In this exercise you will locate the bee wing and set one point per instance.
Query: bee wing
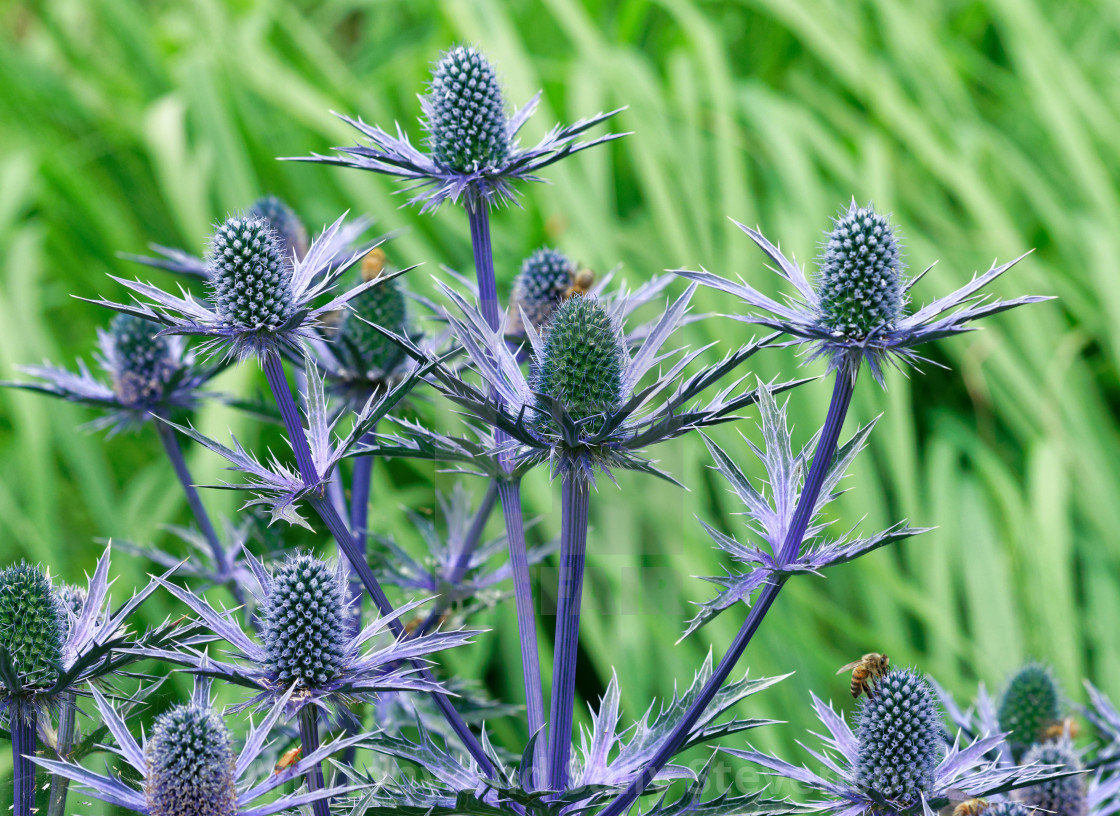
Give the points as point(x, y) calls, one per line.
point(849, 667)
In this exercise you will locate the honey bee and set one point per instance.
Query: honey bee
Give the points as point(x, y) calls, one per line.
point(288, 759)
point(1061, 728)
point(582, 281)
point(971, 807)
point(868, 668)
point(373, 264)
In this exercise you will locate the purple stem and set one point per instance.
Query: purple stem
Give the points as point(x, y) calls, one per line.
point(278, 382)
point(510, 491)
point(309, 739)
point(478, 213)
point(574, 498)
point(23, 722)
point(359, 521)
point(791, 547)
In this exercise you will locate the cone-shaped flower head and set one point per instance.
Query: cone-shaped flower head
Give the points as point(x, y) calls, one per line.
point(860, 284)
point(302, 622)
point(539, 288)
point(1062, 797)
point(284, 222)
point(190, 765)
point(581, 365)
point(465, 116)
point(250, 276)
point(899, 737)
point(31, 625)
point(383, 305)
point(140, 363)
point(1029, 705)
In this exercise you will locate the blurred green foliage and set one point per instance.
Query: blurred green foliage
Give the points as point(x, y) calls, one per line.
point(987, 127)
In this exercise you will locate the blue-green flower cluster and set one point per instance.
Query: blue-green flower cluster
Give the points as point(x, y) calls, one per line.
point(1007, 809)
point(140, 362)
point(190, 765)
point(383, 305)
point(31, 625)
point(250, 277)
point(1067, 796)
point(466, 119)
point(302, 622)
point(539, 288)
point(1029, 705)
point(899, 737)
point(581, 366)
point(284, 222)
point(860, 285)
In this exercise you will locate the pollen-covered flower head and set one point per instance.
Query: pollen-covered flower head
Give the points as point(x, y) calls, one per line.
point(581, 366)
point(366, 350)
point(190, 765)
point(465, 116)
point(250, 278)
point(539, 288)
point(860, 282)
point(303, 625)
point(1067, 796)
point(140, 362)
point(31, 625)
point(899, 737)
point(284, 222)
point(1029, 705)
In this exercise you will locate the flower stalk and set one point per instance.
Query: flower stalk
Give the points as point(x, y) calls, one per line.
point(478, 213)
point(309, 739)
point(60, 785)
point(360, 485)
point(24, 720)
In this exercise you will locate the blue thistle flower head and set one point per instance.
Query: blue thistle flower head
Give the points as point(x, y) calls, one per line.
point(1007, 809)
point(899, 737)
point(140, 362)
point(1067, 796)
point(250, 277)
point(581, 366)
point(468, 129)
point(31, 625)
point(284, 222)
point(860, 283)
point(190, 765)
point(539, 288)
point(368, 350)
point(303, 625)
point(1029, 705)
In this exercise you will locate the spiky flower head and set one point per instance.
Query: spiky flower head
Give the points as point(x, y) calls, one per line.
point(899, 737)
point(284, 222)
point(71, 599)
point(860, 283)
point(190, 765)
point(1007, 809)
point(383, 305)
point(1029, 705)
point(581, 365)
point(302, 621)
point(539, 288)
point(250, 276)
point(140, 363)
point(1067, 796)
point(468, 129)
point(31, 624)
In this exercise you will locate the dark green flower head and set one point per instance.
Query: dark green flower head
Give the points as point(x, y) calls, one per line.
point(581, 365)
point(539, 288)
point(284, 222)
point(1029, 705)
point(250, 276)
point(367, 349)
point(1061, 797)
point(31, 625)
point(190, 765)
point(899, 737)
point(302, 622)
point(465, 118)
point(140, 363)
point(860, 285)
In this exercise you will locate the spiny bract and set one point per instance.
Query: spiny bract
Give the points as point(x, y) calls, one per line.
point(251, 278)
point(140, 363)
point(860, 283)
point(581, 365)
point(384, 305)
point(190, 765)
point(1029, 705)
point(539, 287)
point(466, 120)
point(1061, 797)
point(31, 627)
point(899, 737)
point(284, 222)
point(302, 623)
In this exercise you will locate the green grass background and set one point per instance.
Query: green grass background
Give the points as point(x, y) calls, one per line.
point(987, 127)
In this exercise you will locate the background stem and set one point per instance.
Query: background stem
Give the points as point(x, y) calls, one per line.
point(60, 785)
point(360, 485)
point(309, 739)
